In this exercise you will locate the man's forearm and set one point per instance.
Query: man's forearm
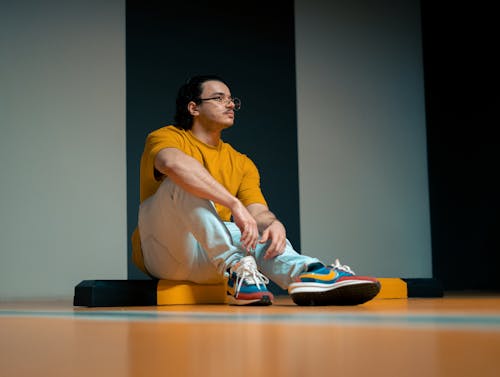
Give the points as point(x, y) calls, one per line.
point(262, 215)
point(189, 174)
point(192, 176)
point(265, 219)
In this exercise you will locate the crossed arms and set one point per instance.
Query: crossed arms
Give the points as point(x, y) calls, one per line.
point(252, 220)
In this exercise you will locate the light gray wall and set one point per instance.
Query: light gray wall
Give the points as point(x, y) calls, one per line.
point(361, 135)
point(62, 145)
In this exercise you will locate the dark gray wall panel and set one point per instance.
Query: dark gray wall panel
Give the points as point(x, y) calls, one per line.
point(252, 47)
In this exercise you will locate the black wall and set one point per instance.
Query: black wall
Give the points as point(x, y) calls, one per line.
point(462, 99)
point(251, 45)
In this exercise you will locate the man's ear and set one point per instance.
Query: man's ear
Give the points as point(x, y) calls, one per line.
point(193, 108)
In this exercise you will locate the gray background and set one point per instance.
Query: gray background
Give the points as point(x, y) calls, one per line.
point(62, 145)
point(360, 127)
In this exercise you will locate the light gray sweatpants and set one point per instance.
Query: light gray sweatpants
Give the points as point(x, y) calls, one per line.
point(183, 238)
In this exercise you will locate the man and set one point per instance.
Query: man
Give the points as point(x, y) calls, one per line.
point(193, 184)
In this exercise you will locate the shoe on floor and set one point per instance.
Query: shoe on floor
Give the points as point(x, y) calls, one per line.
point(332, 285)
point(246, 285)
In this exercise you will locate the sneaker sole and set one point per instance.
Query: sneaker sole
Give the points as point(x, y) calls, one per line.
point(354, 293)
point(262, 301)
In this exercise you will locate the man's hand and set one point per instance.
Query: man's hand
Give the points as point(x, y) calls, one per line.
point(273, 231)
point(276, 234)
point(247, 225)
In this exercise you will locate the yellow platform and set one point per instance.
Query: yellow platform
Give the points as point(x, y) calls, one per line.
point(188, 293)
point(392, 288)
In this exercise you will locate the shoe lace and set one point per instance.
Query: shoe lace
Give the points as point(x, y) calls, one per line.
point(342, 267)
point(246, 271)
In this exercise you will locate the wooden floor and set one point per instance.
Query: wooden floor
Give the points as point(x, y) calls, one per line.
point(453, 336)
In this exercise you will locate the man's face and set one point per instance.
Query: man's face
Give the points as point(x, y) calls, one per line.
point(215, 111)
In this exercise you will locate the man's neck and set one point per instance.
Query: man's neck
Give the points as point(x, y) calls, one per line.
point(210, 137)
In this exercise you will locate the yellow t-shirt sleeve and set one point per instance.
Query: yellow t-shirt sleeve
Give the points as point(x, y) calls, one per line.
point(249, 191)
point(166, 137)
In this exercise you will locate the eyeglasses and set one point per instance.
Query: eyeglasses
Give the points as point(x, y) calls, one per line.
point(224, 100)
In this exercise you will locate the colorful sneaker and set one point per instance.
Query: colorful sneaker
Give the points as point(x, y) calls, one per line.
point(246, 285)
point(332, 285)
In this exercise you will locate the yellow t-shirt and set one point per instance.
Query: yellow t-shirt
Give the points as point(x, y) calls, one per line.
point(234, 170)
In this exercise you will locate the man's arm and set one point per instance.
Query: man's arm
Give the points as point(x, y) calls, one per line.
point(272, 230)
point(189, 174)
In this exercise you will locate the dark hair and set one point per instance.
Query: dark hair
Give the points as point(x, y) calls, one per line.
point(190, 91)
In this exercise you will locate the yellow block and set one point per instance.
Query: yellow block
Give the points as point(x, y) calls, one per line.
point(392, 288)
point(187, 293)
